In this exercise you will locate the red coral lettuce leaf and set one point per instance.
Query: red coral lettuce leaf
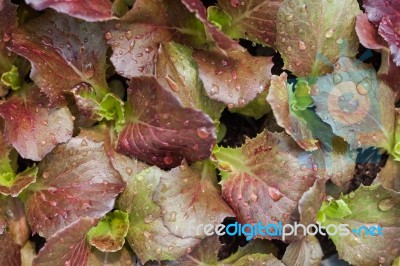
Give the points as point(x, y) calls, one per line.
point(68, 246)
point(34, 129)
point(76, 179)
point(160, 131)
point(89, 10)
point(63, 52)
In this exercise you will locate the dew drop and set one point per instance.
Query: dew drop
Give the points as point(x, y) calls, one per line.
point(140, 178)
point(253, 197)
point(203, 132)
point(128, 170)
point(88, 71)
point(241, 101)
point(147, 234)
point(43, 142)
point(108, 35)
point(289, 17)
point(337, 78)
point(289, 49)
point(214, 89)
point(46, 175)
point(302, 45)
point(274, 193)
point(168, 160)
point(6, 37)
point(172, 84)
point(84, 143)
point(386, 204)
point(364, 86)
point(128, 34)
point(329, 33)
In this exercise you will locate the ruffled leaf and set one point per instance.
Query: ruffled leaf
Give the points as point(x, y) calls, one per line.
point(306, 251)
point(89, 10)
point(236, 78)
point(160, 229)
point(264, 180)
point(68, 246)
point(63, 52)
point(160, 131)
point(34, 129)
point(76, 179)
point(252, 20)
point(313, 35)
point(357, 106)
point(222, 41)
point(370, 206)
point(120, 258)
point(280, 95)
point(109, 234)
point(175, 69)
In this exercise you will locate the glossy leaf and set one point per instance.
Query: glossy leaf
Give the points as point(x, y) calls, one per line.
point(10, 253)
point(159, 130)
point(199, 200)
point(389, 176)
point(357, 106)
point(236, 78)
point(264, 179)
point(135, 48)
point(279, 97)
point(205, 253)
point(109, 234)
point(368, 34)
point(160, 229)
point(147, 234)
point(15, 183)
point(120, 258)
point(176, 70)
point(68, 246)
point(368, 206)
point(313, 35)
point(222, 41)
point(60, 61)
point(76, 179)
point(33, 129)
point(306, 251)
point(89, 10)
point(252, 20)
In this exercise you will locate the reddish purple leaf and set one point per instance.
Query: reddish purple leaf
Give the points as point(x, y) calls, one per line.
point(222, 40)
point(135, 48)
point(63, 52)
point(20, 182)
point(378, 9)
point(254, 20)
point(8, 21)
point(76, 179)
point(266, 178)
point(235, 79)
point(34, 130)
point(10, 252)
point(89, 10)
point(160, 131)
point(389, 30)
point(390, 73)
point(67, 247)
point(368, 34)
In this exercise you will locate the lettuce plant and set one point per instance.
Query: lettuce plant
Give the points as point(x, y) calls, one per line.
point(114, 142)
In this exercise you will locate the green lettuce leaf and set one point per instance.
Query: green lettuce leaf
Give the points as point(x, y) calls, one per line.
point(109, 234)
